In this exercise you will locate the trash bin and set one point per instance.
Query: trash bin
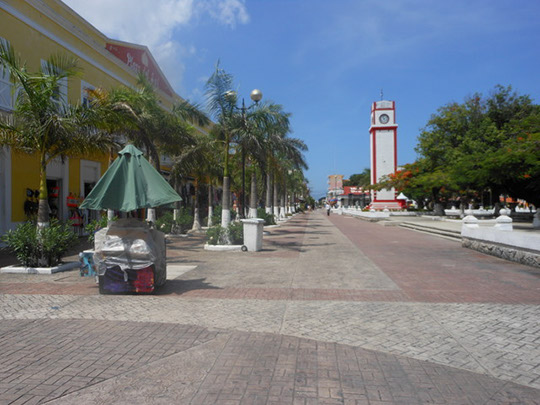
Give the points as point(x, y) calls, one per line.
point(253, 234)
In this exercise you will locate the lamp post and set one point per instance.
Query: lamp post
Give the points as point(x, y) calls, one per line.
point(256, 95)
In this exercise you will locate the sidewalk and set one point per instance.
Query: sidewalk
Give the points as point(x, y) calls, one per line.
point(332, 311)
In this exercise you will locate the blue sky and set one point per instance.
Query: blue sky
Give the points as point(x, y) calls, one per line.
point(327, 61)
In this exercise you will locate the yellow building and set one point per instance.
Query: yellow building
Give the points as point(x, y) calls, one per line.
point(40, 28)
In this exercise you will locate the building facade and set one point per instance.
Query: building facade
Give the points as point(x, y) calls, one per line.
point(38, 29)
point(335, 188)
point(354, 197)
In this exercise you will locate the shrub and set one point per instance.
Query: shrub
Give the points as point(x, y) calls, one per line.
point(268, 218)
point(233, 235)
point(166, 223)
point(22, 243)
point(56, 239)
point(184, 221)
point(95, 225)
point(46, 246)
point(236, 233)
point(216, 218)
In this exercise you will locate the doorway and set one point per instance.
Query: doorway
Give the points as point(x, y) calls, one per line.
point(90, 174)
point(54, 198)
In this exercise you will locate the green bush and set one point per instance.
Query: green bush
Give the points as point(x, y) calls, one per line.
point(216, 218)
point(236, 233)
point(166, 223)
point(95, 225)
point(47, 246)
point(184, 221)
point(212, 234)
point(56, 239)
point(233, 235)
point(268, 218)
point(22, 243)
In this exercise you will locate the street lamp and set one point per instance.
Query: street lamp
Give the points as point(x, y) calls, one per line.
point(256, 95)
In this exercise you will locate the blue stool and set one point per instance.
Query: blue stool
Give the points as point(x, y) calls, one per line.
point(88, 268)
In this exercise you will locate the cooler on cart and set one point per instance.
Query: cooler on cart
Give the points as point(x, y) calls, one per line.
point(130, 257)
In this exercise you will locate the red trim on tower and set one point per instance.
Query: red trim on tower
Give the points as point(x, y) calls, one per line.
point(395, 150)
point(374, 152)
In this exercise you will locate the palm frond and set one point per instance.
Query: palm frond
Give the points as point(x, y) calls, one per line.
point(191, 113)
point(220, 99)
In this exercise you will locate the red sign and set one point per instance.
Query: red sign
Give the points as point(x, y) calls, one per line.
point(140, 60)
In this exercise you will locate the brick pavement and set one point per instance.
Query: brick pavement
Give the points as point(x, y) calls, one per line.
point(98, 362)
point(454, 308)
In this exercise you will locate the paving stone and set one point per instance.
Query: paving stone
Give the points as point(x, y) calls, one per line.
point(296, 320)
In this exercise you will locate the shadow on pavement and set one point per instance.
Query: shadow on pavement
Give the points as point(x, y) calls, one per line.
point(179, 287)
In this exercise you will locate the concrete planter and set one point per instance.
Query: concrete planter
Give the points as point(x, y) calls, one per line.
point(521, 247)
point(40, 270)
point(223, 248)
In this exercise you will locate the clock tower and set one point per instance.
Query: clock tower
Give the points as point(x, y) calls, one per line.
point(383, 142)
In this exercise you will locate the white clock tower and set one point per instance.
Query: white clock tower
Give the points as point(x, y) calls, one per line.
point(383, 142)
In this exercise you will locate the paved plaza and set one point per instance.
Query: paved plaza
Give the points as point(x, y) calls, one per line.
point(334, 310)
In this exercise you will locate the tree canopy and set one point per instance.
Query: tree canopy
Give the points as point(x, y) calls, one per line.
point(360, 179)
point(482, 144)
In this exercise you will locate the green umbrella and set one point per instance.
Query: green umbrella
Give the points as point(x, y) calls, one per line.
point(130, 183)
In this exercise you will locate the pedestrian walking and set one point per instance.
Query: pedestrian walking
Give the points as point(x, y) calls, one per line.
point(328, 208)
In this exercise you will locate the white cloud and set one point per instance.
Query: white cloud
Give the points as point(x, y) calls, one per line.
point(145, 22)
point(152, 23)
point(228, 12)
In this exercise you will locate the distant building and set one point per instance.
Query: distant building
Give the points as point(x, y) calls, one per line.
point(335, 188)
point(354, 197)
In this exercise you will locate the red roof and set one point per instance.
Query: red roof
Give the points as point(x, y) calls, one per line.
point(138, 58)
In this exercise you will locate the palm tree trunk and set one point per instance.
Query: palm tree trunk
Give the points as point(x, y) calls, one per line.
point(210, 204)
point(110, 213)
point(154, 160)
point(268, 202)
point(226, 198)
point(253, 196)
point(196, 216)
point(226, 203)
point(276, 201)
point(282, 212)
point(151, 216)
point(242, 201)
point(43, 208)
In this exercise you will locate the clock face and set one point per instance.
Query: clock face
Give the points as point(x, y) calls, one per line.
point(384, 118)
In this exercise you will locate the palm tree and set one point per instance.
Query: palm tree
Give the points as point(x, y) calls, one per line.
point(260, 140)
point(289, 159)
point(287, 155)
point(272, 143)
point(221, 106)
point(148, 125)
point(197, 160)
point(247, 128)
point(136, 114)
point(41, 124)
